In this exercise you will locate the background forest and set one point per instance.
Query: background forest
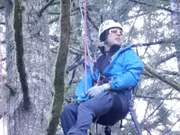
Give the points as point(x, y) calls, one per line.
point(41, 40)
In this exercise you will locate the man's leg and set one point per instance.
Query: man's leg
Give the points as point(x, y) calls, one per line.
point(117, 112)
point(68, 116)
point(94, 107)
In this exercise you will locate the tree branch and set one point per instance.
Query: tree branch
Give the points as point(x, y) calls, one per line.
point(2, 23)
point(170, 72)
point(45, 7)
point(12, 90)
point(78, 50)
point(173, 84)
point(1, 7)
point(152, 5)
point(168, 130)
point(152, 113)
point(167, 57)
point(91, 21)
point(54, 20)
point(159, 98)
point(60, 67)
point(151, 43)
point(54, 13)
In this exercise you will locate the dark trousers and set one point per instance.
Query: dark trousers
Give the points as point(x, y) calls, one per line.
point(108, 107)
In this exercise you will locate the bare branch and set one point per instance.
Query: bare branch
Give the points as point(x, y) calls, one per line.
point(152, 5)
point(167, 57)
point(78, 50)
point(45, 7)
point(152, 112)
point(169, 72)
point(2, 23)
point(173, 84)
point(152, 43)
point(54, 20)
point(159, 98)
point(91, 21)
point(12, 90)
point(55, 3)
point(171, 126)
point(1, 7)
point(54, 13)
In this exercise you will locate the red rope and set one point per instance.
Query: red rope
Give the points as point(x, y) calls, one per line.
point(85, 45)
point(2, 89)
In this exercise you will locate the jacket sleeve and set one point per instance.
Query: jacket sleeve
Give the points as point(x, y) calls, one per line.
point(80, 89)
point(131, 71)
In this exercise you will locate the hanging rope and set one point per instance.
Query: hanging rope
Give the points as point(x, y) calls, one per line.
point(86, 30)
point(91, 43)
point(2, 88)
point(85, 44)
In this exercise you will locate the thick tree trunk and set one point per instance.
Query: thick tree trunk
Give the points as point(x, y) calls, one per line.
point(176, 22)
point(28, 43)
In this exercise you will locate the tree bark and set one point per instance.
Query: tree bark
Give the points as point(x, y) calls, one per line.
point(28, 67)
point(60, 67)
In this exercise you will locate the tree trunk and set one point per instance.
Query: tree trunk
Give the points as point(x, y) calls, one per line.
point(176, 22)
point(28, 67)
point(60, 67)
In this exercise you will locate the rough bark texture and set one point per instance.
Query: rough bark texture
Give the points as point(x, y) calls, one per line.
point(35, 58)
point(60, 67)
point(175, 7)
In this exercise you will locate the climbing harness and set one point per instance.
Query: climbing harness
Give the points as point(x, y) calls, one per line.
point(107, 130)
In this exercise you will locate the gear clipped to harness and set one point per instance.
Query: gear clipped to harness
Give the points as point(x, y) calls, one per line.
point(107, 130)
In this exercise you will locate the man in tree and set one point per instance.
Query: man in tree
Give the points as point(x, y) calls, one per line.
point(115, 73)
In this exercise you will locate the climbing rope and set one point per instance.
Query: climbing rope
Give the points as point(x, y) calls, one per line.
point(2, 89)
point(86, 30)
point(85, 44)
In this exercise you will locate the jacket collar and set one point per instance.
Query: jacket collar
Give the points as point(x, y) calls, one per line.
point(126, 47)
point(111, 51)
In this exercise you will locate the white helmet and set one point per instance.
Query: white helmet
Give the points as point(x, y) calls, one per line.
point(105, 26)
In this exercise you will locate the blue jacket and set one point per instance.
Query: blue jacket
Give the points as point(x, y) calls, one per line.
point(124, 72)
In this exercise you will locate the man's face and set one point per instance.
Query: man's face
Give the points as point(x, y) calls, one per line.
point(114, 36)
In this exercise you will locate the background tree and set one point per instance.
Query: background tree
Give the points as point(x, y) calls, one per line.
point(152, 26)
point(29, 72)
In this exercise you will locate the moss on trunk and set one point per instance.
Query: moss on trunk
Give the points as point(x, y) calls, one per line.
point(59, 85)
point(18, 36)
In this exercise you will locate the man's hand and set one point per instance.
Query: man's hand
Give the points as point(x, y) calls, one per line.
point(98, 89)
point(82, 98)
